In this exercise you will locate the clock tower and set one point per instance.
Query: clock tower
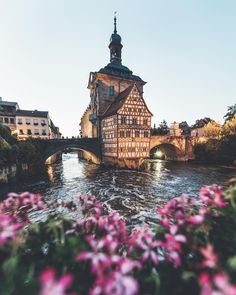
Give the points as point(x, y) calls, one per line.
point(105, 86)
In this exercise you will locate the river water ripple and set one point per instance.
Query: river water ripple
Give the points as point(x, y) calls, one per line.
point(134, 194)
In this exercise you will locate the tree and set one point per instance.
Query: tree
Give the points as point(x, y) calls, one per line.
point(212, 130)
point(5, 133)
point(231, 113)
point(229, 126)
point(163, 128)
point(154, 130)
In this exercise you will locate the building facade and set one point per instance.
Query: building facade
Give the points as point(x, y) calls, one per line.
point(117, 112)
point(27, 124)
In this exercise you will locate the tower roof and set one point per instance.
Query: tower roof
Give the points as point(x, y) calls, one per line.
point(115, 66)
point(115, 38)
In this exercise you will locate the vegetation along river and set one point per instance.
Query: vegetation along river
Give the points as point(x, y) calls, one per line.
point(134, 194)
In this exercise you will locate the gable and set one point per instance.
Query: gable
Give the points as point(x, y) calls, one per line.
point(134, 104)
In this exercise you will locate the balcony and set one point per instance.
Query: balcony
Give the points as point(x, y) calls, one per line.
point(43, 124)
point(19, 123)
point(35, 124)
point(27, 123)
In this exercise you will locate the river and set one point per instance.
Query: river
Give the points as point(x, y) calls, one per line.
point(134, 194)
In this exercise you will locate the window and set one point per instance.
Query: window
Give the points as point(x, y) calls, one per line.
point(136, 133)
point(44, 132)
point(122, 134)
point(20, 121)
point(111, 90)
point(12, 120)
point(29, 132)
point(1, 120)
point(123, 120)
point(145, 121)
point(43, 122)
point(21, 132)
point(28, 121)
point(128, 134)
point(6, 120)
point(145, 133)
point(36, 122)
point(134, 121)
point(36, 131)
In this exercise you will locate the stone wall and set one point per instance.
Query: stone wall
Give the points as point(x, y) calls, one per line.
point(54, 158)
point(123, 163)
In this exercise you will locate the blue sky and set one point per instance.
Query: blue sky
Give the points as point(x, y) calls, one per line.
point(184, 49)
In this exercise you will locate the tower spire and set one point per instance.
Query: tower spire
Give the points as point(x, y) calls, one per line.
point(115, 45)
point(115, 30)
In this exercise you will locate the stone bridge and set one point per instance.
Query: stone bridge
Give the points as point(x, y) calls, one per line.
point(89, 146)
point(178, 148)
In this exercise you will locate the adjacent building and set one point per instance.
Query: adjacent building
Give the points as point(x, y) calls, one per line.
point(117, 112)
point(27, 123)
point(179, 129)
point(197, 129)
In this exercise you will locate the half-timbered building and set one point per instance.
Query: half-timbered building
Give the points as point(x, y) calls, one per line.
point(118, 114)
point(126, 126)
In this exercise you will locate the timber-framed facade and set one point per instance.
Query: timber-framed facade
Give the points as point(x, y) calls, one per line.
point(118, 114)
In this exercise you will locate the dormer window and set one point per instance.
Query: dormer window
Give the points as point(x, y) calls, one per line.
point(111, 90)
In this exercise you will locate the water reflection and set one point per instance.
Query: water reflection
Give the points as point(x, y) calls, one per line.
point(134, 194)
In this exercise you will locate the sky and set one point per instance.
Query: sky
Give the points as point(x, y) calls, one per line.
point(184, 49)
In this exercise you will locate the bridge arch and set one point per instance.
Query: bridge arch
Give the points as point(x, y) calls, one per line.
point(166, 151)
point(89, 146)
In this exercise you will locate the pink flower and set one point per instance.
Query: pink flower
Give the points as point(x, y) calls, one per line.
point(205, 283)
point(221, 282)
point(18, 205)
point(212, 195)
point(143, 240)
point(99, 260)
point(195, 219)
point(8, 228)
point(172, 248)
point(217, 284)
point(210, 257)
point(52, 286)
point(115, 284)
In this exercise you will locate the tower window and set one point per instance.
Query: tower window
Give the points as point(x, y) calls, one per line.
point(111, 90)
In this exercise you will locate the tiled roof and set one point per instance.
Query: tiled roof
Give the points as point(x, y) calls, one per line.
point(8, 103)
point(34, 113)
point(120, 71)
point(117, 104)
point(201, 123)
